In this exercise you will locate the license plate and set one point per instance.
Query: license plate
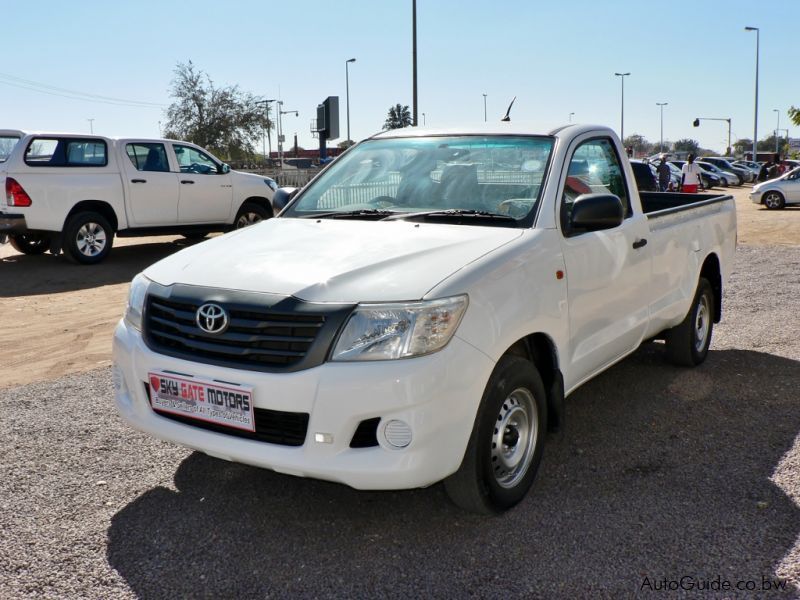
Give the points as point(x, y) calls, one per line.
point(230, 405)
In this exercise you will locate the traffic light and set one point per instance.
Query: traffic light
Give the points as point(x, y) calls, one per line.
point(696, 123)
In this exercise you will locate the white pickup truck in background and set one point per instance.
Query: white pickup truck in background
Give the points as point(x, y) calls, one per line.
point(75, 192)
point(421, 309)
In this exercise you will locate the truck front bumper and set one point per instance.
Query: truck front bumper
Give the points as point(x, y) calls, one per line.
point(436, 396)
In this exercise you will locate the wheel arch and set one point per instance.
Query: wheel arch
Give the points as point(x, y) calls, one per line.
point(260, 201)
point(712, 272)
point(99, 206)
point(540, 349)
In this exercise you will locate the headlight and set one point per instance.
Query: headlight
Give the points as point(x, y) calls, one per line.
point(399, 330)
point(271, 184)
point(133, 312)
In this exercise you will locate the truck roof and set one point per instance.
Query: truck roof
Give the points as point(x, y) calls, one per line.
point(496, 128)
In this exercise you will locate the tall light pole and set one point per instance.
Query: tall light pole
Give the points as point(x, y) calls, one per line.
point(570, 116)
point(282, 112)
point(347, 84)
point(755, 114)
point(777, 128)
point(423, 119)
point(267, 137)
point(662, 105)
point(484, 108)
point(622, 77)
point(91, 126)
point(414, 58)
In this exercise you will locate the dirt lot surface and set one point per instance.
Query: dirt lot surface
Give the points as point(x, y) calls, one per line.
point(58, 318)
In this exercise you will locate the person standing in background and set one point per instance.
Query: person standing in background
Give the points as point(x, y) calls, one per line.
point(664, 174)
point(690, 176)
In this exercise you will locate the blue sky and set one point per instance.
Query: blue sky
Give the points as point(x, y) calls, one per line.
point(556, 57)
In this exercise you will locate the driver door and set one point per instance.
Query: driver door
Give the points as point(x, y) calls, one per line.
point(206, 193)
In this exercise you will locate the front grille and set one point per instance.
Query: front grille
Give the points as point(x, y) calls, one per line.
point(257, 338)
point(272, 426)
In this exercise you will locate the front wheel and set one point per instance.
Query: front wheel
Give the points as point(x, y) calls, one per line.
point(29, 243)
point(250, 214)
point(774, 201)
point(507, 441)
point(687, 344)
point(88, 237)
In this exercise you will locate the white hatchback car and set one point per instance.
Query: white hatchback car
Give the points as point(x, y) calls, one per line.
point(777, 193)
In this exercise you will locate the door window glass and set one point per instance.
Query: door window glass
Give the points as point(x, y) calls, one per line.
point(148, 157)
point(191, 160)
point(593, 169)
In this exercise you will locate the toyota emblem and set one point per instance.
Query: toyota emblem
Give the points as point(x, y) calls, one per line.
point(211, 318)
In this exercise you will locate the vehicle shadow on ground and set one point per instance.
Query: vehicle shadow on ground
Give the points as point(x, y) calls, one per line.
point(662, 473)
point(22, 275)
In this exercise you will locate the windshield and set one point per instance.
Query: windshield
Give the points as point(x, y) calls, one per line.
point(499, 175)
point(7, 143)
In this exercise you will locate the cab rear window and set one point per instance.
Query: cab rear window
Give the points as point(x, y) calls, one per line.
point(66, 152)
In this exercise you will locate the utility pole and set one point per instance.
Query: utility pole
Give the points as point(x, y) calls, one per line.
point(347, 89)
point(414, 56)
point(777, 128)
point(91, 126)
point(662, 105)
point(755, 114)
point(484, 108)
point(622, 77)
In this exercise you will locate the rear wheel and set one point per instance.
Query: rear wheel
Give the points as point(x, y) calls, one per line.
point(88, 237)
point(29, 243)
point(507, 441)
point(687, 344)
point(250, 214)
point(774, 201)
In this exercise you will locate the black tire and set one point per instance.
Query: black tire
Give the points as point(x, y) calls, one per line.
point(490, 480)
point(687, 344)
point(774, 200)
point(251, 213)
point(29, 243)
point(88, 237)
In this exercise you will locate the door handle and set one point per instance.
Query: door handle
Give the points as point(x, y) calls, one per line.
point(138, 180)
point(639, 244)
point(186, 181)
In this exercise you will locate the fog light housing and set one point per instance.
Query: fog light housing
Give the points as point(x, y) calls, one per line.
point(397, 433)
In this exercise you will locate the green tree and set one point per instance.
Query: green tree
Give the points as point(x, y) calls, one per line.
point(345, 144)
point(226, 120)
point(399, 116)
point(794, 115)
point(742, 145)
point(768, 144)
point(686, 145)
point(639, 144)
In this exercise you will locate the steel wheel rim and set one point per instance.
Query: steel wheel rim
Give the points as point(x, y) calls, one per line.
point(247, 219)
point(91, 239)
point(514, 438)
point(702, 323)
point(772, 200)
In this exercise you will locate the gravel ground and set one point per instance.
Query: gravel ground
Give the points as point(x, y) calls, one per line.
point(662, 473)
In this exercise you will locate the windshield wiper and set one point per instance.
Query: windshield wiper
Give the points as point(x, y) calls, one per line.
point(352, 214)
point(455, 213)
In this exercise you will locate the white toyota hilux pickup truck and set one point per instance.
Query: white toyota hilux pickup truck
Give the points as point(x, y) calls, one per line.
point(74, 192)
point(419, 311)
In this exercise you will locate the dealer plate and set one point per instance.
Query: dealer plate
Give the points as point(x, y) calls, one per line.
point(226, 404)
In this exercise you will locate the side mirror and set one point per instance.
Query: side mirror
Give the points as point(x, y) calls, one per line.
point(225, 168)
point(593, 212)
point(282, 197)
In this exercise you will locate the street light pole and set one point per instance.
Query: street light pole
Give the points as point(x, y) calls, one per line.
point(347, 84)
point(414, 57)
point(267, 138)
point(662, 105)
point(755, 114)
point(777, 128)
point(622, 77)
point(484, 108)
point(91, 126)
point(570, 116)
point(423, 119)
